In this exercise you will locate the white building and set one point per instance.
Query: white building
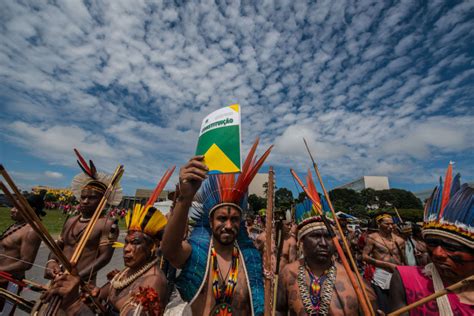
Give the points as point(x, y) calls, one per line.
point(256, 186)
point(372, 182)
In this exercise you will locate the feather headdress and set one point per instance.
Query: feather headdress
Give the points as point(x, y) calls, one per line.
point(307, 214)
point(449, 212)
point(90, 178)
point(147, 218)
point(221, 189)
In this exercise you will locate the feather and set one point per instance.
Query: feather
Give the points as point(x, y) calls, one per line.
point(156, 223)
point(118, 245)
point(127, 218)
point(93, 169)
point(160, 186)
point(447, 188)
point(83, 164)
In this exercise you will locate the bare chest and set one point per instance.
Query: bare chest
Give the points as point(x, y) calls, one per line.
point(74, 231)
point(205, 301)
point(343, 298)
point(13, 238)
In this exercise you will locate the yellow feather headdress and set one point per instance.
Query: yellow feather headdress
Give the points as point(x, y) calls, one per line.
point(147, 218)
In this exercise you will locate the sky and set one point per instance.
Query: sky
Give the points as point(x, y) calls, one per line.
point(375, 87)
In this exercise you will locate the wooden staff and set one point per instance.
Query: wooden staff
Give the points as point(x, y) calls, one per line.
point(279, 244)
point(19, 301)
point(360, 296)
point(433, 296)
point(341, 232)
point(268, 244)
point(95, 217)
point(30, 216)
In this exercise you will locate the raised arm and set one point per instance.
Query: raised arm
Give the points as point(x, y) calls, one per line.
point(174, 248)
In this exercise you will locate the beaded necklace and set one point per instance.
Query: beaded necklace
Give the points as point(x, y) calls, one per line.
point(9, 232)
point(223, 295)
point(119, 283)
point(316, 301)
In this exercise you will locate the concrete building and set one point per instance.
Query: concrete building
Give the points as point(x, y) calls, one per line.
point(372, 182)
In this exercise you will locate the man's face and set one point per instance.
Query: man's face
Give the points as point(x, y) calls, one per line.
point(15, 215)
point(386, 225)
point(225, 224)
point(318, 246)
point(453, 260)
point(90, 199)
point(286, 227)
point(137, 250)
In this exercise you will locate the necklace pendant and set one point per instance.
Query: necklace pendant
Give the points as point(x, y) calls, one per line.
point(221, 309)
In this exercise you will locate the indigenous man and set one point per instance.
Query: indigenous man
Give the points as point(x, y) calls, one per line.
point(88, 188)
point(221, 269)
point(449, 235)
point(139, 289)
point(19, 246)
point(415, 249)
point(385, 251)
point(315, 284)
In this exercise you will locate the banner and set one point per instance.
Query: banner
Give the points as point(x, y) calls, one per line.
point(219, 140)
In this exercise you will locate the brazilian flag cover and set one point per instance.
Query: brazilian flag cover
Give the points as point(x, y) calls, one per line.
point(219, 140)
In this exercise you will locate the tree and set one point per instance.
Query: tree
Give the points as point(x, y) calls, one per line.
point(283, 199)
point(256, 203)
point(301, 197)
point(344, 199)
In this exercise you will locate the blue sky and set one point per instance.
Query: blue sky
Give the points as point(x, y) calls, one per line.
point(376, 87)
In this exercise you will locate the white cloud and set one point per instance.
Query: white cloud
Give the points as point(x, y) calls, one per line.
point(372, 86)
point(53, 174)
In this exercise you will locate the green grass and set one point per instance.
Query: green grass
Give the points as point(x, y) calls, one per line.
point(53, 221)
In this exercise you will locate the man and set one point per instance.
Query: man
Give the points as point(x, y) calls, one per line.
point(415, 249)
point(385, 251)
point(88, 188)
point(221, 269)
point(19, 246)
point(449, 234)
point(316, 284)
point(139, 289)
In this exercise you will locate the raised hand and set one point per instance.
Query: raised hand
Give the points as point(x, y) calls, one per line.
point(191, 176)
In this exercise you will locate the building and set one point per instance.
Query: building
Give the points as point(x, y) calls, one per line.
point(141, 196)
point(366, 182)
point(258, 185)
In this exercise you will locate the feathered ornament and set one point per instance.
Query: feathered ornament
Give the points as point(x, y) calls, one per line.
point(449, 212)
point(307, 214)
point(147, 218)
point(224, 188)
point(93, 179)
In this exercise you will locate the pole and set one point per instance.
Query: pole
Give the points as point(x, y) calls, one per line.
point(341, 232)
point(268, 244)
point(433, 296)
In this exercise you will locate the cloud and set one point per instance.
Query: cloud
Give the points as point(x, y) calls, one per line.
point(53, 174)
point(374, 87)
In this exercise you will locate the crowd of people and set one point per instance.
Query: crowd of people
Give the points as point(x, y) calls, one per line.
point(215, 265)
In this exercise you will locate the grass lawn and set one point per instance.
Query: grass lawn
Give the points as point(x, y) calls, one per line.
point(53, 221)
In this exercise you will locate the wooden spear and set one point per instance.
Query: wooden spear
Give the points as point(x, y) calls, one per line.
point(341, 232)
point(360, 296)
point(268, 245)
point(30, 216)
point(433, 296)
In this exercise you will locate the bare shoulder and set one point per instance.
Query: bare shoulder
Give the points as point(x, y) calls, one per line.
point(399, 239)
point(290, 270)
point(31, 235)
point(372, 236)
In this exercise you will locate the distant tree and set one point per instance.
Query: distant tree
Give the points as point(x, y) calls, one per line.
point(344, 199)
point(283, 199)
point(399, 198)
point(256, 203)
point(369, 197)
